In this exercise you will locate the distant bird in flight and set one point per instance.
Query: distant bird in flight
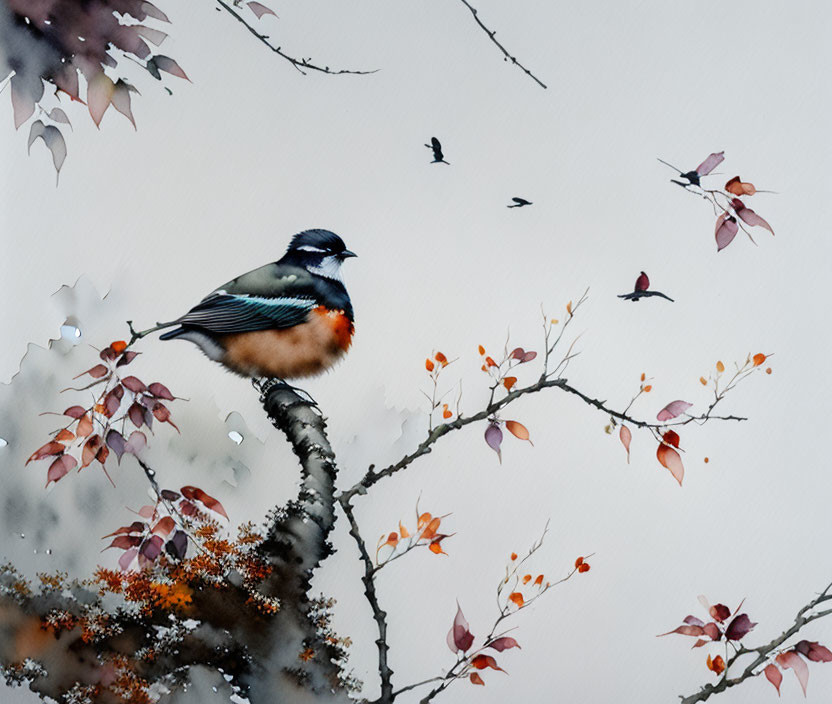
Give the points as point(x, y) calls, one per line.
point(519, 203)
point(438, 156)
point(703, 169)
point(640, 290)
point(286, 320)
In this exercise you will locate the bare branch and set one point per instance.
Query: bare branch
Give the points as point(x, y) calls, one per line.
point(302, 65)
point(764, 652)
point(491, 36)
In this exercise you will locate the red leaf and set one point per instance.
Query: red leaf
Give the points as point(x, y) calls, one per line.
point(476, 679)
point(91, 448)
point(670, 459)
point(124, 542)
point(60, 467)
point(134, 527)
point(673, 410)
point(50, 448)
point(773, 675)
point(95, 372)
point(195, 494)
point(136, 414)
point(480, 662)
point(460, 638)
point(164, 526)
point(75, 412)
point(504, 643)
point(791, 659)
point(719, 612)
point(133, 384)
point(712, 631)
point(160, 391)
point(625, 436)
point(738, 188)
point(688, 630)
point(126, 358)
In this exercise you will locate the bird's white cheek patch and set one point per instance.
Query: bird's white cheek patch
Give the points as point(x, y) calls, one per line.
point(329, 268)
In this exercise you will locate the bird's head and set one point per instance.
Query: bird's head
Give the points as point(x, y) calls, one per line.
point(320, 252)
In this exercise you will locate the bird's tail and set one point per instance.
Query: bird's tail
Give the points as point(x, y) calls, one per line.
point(172, 334)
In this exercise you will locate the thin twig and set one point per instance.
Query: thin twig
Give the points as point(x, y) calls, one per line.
point(764, 652)
point(491, 36)
point(301, 65)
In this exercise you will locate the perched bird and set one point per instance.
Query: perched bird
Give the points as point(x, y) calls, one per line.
point(438, 156)
point(692, 177)
point(288, 319)
point(640, 290)
point(519, 203)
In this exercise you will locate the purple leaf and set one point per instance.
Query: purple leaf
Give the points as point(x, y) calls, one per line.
point(494, 438)
point(739, 627)
point(126, 358)
point(725, 231)
point(133, 384)
point(693, 621)
point(160, 391)
point(115, 441)
point(460, 638)
point(749, 217)
point(151, 548)
point(672, 410)
point(503, 643)
point(127, 558)
point(60, 467)
point(710, 163)
point(136, 442)
point(529, 356)
point(260, 9)
point(152, 11)
point(75, 412)
point(165, 63)
point(177, 546)
point(814, 651)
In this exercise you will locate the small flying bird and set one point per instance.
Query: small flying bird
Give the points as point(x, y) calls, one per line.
point(640, 290)
point(519, 203)
point(286, 320)
point(703, 169)
point(438, 156)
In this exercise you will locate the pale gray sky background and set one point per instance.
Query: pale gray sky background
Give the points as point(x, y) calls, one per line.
point(222, 173)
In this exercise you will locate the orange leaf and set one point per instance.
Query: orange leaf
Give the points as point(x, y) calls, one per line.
point(720, 367)
point(768, 371)
point(517, 599)
point(738, 188)
point(527, 579)
point(423, 520)
point(50, 448)
point(758, 359)
point(569, 307)
point(403, 531)
point(118, 346)
point(64, 435)
point(84, 426)
point(509, 381)
point(441, 358)
point(518, 430)
point(476, 679)
point(513, 556)
point(430, 530)
point(703, 381)
point(429, 365)
point(539, 580)
point(579, 562)
point(446, 413)
point(648, 389)
point(643, 376)
point(490, 362)
point(392, 539)
point(481, 350)
point(717, 665)
point(583, 567)
point(436, 547)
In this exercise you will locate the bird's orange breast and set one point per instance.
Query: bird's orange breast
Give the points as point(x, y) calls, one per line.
point(302, 350)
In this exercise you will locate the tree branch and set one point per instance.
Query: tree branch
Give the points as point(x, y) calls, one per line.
point(764, 652)
point(302, 65)
point(379, 615)
point(508, 56)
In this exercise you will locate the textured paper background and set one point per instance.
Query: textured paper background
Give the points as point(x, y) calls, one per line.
point(223, 172)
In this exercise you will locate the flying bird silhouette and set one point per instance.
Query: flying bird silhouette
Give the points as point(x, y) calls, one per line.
point(692, 177)
point(640, 290)
point(519, 202)
point(286, 320)
point(438, 156)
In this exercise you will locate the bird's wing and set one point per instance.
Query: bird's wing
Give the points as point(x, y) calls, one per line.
point(657, 293)
point(435, 143)
point(224, 313)
point(630, 296)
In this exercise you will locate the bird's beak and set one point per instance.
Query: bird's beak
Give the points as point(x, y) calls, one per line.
point(346, 254)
